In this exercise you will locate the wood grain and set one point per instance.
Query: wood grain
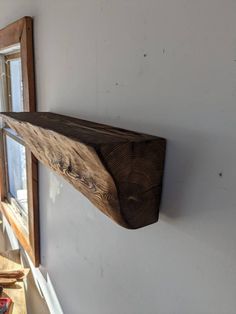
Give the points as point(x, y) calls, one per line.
point(119, 171)
point(7, 282)
point(11, 34)
point(16, 274)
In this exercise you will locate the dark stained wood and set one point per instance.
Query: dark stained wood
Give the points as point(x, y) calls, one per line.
point(27, 61)
point(119, 171)
point(21, 32)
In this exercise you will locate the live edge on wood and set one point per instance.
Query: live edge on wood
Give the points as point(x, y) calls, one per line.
point(119, 171)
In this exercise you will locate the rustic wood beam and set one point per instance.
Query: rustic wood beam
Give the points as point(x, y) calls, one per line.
point(119, 171)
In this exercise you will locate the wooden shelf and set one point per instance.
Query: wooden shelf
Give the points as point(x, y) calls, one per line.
point(119, 171)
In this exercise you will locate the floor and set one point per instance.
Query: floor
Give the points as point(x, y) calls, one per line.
point(35, 303)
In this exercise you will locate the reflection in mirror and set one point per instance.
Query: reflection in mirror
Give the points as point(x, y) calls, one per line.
point(11, 79)
point(16, 165)
point(16, 172)
point(16, 90)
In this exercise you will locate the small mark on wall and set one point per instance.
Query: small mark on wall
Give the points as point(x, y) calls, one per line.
point(164, 51)
point(101, 272)
point(145, 55)
point(220, 174)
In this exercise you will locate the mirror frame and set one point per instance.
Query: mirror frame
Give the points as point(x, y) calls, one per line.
point(21, 32)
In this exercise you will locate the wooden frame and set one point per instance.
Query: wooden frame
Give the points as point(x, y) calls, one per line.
point(21, 32)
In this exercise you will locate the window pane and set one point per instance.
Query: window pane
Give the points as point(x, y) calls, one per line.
point(16, 167)
point(16, 85)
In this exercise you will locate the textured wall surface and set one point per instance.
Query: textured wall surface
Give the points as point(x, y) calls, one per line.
point(163, 67)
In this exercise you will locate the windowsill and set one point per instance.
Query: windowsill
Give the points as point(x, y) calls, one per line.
point(18, 225)
point(18, 212)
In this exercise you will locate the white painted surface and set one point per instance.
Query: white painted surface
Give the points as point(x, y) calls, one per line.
point(90, 63)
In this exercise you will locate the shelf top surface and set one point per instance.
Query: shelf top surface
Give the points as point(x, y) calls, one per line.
point(77, 129)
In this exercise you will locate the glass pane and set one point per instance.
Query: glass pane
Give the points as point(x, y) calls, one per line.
point(16, 167)
point(16, 85)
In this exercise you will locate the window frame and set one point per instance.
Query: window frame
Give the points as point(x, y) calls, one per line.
point(8, 58)
point(21, 32)
point(9, 197)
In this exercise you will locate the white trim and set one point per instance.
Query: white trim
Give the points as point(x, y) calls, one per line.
point(10, 49)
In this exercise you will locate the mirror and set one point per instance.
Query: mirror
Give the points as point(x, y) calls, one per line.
point(18, 167)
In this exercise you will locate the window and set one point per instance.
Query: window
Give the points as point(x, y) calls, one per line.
point(16, 173)
point(18, 167)
point(14, 82)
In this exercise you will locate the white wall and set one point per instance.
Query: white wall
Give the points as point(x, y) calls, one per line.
point(184, 90)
